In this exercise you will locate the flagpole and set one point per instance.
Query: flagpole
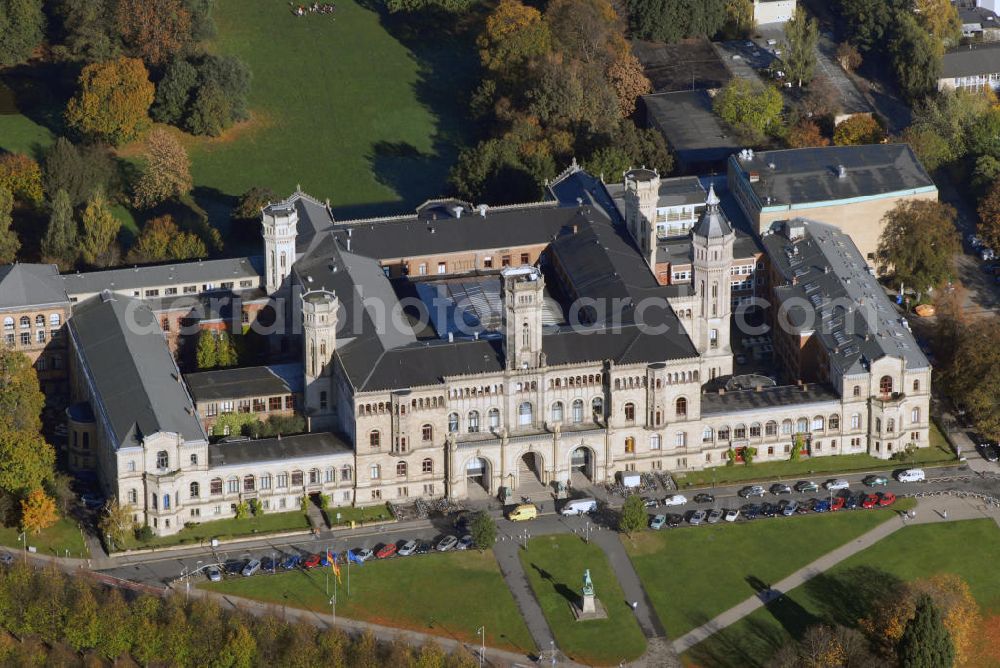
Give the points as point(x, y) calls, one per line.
point(348, 574)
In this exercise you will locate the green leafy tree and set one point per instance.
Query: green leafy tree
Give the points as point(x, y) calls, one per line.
point(256, 507)
point(90, 31)
point(931, 148)
point(61, 236)
point(395, 6)
point(633, 515)
point(916, 58)
point(145, 617)
point(242, 510)
point(9, 243)
point(220, 97)
point(98, 245)
point(173, 93)
point(753, 109)
point(926, 642)
point(870, 22)
point(21, 400)
point(918, 243)
point(514, 35)
point(673, 20)
point(739, 17)
point(240, 647)
point(116, 632)
point(252, 201)
point(79, 170)
point(226, 350)
point(161, 240)
point(971, 352)
point(82, 626)
point(801, 38)
point(46, 610)
point(940, 18)
point(304, 504)
point(483, 530)
point(858, 129)
point(284, 425)
point(22, 28)
point(176, 632)
point(207, 355)
point(26, 461)
point(798, 442)
point(116, 522)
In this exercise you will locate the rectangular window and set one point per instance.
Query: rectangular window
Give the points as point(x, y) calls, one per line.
point(442, 267)
point(246, 284)
point(226, 407)
point(227, 285)
point(244, 405)
point(190, 289)
point(282, 480)
point(155, 292)
point(376, 494)
point(170, 291)
point(422, 269)
point(525, 258)
point(258, 405)
point(212, 409)
point(296, 478)
point(290, 402)
point(274, 403)
point(487, 262)
point(265, 481)
point(402, 492)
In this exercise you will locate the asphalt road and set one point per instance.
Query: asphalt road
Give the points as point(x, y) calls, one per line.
point(160, 570)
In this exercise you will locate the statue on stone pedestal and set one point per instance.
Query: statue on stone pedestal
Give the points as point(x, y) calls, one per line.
point(588, 607)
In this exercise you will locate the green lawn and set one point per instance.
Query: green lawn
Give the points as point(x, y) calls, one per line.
point(845, 593)
point(712, 568)
point(341, 105)
point(937, 452)
point(406, 592)
point(227, 528)
point(61, 536)
point(350, 514)
point(555, 566)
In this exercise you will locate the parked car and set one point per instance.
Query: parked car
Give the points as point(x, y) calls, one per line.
point(657, 522)
point(850, 500)
point(266, 565)
point(423, 547)
point(911, 475)
point(675, 520)
point(465, 542)
point(835, 484)
point(788, 507)
point(408, 548)
point(579, 506)
point(989, 452)
point(704, 497)
point(837, 503)
point(364, 554)
point(251, 568)
point(752, 490)
point(987, 254)
point(731, 515)
point(715, 516)
point(697, 517)
point(447, 543)
point(523, 512)
point(675, 500)
point(312, 561)
point(780, 488)
point(821, 506)
point(886, 499)
point(975, 241)
point(768, 510)
point(804, 507)
point(804, 486)
point(213, 573)
point(876, 481)
point(233, 566)
point(292, 561)
point(650, 502)
point(870, 501)
point(750, 511)
point(388, 550)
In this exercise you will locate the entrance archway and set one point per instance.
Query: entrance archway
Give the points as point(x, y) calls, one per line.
point(477, 477)
point(581, 463)
point(531, 462)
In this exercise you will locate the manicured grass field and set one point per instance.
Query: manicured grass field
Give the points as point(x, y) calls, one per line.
point(61, 536)
point(227, 528)
point(555, 566)
point(936, 453)
point(406, 592)
point(846, 593)
point(340, 105)
point(712, 568)
point(350, 514)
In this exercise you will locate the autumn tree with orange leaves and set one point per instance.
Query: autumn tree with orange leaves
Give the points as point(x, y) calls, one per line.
point(113, 101)
point(155, 30)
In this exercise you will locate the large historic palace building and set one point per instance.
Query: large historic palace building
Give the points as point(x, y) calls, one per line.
point(466, 349)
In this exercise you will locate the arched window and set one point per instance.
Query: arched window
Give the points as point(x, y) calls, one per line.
point(39, 321)
point(524, 335)
point(25, 322)
point(313, 476)
point(834, 422)
point(578, 410)
point(681, 407)
point(723, 433)
point(771, 428)
point(755, 430)
point(54, 320)
point(426, 433)
point(493, 415)
point(878, 425)
point(427, 466)
point(786, 427)
point(597, 407)
point(629, 444)
point(630, 412)
point(374, 438)
point(133, 496)
point(8, 323)
point(473, 422)
point(557, 411)
point(857, 390)
point(296, 478)
point(249, 483)
point(232, 485)
point(740, 431)
point(654, 441)
point(375, 472)
point(215, 486)
point(162, 459)
point(346, 473)
point(707, 435)
point(194, 490)
point(802, 426)
point(915, 416)
point(453, 422)
point(401, 469)
point(885, 385)
point(525, 414)
point(818, 423)
point(890, 425)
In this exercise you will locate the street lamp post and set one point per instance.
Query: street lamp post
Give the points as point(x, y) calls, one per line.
point(552, 644)
point(23, 537)
point(333, 608)
point(481, 632)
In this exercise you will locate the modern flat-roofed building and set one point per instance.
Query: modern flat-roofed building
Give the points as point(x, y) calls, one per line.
point(971, 67)
point(851, 187)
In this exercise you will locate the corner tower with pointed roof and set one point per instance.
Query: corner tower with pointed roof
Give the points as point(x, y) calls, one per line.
point(711, 260)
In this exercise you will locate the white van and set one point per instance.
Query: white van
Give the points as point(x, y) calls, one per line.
point(911, 475)
point(579, 506)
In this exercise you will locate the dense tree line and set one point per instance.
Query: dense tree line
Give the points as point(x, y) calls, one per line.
point(50, 618)
point(557, 83)
point(674, 20)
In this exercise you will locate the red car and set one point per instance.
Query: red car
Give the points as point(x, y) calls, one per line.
point(838, 503)
point(386, 552)
point(871, 500)
point(312, 561)
point(886, 499)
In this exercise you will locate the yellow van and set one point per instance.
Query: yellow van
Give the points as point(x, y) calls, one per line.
point(525, 511)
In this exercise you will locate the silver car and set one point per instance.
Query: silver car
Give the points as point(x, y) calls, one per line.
point(251, 568)
point(409, 547)
point(447, 543)
point(214, 574)
point(697, 517)
point(715, 516)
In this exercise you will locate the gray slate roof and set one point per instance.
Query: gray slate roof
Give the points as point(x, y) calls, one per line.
point(803, 175)
point(255, 381)
point(135, 381)
point(240, 453)
point(970, 60)
point(179, 273)
point(30, 285)
point(690, 126)
point(713, 223)
point(837, 298)
point(713, 403)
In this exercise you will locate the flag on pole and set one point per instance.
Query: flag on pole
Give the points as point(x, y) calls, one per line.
point(333, 564)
